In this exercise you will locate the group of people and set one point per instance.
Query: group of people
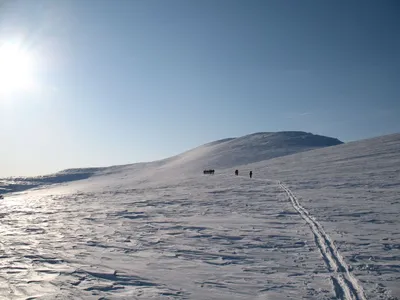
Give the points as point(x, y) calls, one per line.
point(211, 171)
point(250, 173)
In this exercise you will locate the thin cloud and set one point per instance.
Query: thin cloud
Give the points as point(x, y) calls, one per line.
point(297, 115)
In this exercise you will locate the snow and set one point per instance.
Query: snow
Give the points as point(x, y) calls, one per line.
point(320, 224)
point(219, 154)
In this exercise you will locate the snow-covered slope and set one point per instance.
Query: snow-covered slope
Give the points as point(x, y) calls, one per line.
point(217, 155)
point(249, 149)
point(16, 184)
point(353, 190)
point(321, 224)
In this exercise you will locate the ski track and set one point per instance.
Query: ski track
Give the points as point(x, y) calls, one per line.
point(345, 284)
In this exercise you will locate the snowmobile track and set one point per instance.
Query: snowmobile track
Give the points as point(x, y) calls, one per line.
point(344, 282)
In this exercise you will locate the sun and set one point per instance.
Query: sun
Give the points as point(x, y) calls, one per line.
point(16, 69)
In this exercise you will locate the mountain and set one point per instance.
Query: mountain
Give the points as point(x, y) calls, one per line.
point(220, 154)
point(252, 148)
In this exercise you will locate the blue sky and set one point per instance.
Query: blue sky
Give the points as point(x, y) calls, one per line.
point(131, 80)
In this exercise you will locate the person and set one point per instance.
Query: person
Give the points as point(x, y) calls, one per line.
point(251, 174)
point(236, 172)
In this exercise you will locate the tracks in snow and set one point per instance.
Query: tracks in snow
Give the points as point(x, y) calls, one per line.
point(345, 284)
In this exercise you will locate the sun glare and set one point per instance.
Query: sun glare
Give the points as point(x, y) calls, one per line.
point(16, 69)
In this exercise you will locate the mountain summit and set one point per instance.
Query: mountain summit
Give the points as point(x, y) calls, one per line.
point(252, 148)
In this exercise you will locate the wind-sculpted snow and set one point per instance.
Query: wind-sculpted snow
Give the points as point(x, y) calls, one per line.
point(321, 224)
point(205, 238)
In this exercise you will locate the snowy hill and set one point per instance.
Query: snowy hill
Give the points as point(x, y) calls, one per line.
point(251, 148)
point(219, 154)
point(321, 224)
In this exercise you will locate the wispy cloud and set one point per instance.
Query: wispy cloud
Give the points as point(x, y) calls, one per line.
point(296, 115)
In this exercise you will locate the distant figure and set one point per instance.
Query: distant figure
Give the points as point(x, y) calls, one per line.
point(212, 171)
point(236, 172)
point(251, 174)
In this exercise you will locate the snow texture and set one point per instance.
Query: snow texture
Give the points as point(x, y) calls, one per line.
point(320, 224)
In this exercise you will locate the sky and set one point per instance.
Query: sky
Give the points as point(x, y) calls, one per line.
point(115, 82)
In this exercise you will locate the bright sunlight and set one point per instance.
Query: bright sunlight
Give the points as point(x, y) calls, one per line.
point(16, 69)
